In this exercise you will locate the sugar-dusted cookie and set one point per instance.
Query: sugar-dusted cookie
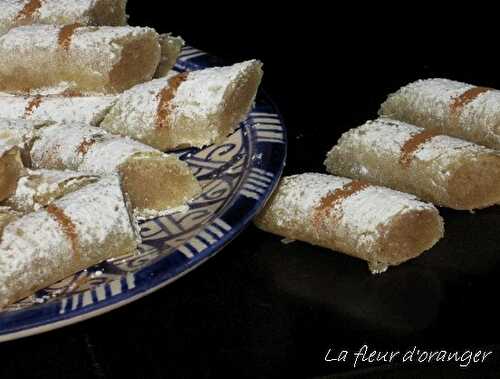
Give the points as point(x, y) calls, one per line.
point(187, 109)
point(76, 231)
point(444, 170)
point(449, 107)
point(15, 13)
point(41, 59)
point(382, 226)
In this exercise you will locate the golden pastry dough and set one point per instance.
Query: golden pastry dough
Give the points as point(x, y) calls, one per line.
point(444, 170)
point(381, 226)
point(76, 231)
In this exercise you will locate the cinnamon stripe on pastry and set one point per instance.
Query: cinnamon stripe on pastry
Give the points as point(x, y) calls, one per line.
point(444, 170)
point(413, 144)
point(165, 97)
point(468, 96)
point(77, 231)
point(66, 35)
point(329, 201)
point(382, 226)
point(28, 10)
point(69, 107)
point(85, 145)
point(453, 108)
point(33, 104)
point(50, 59)
point(14, 13)
point(67, 226)
point(153, 180)
point(186, 110)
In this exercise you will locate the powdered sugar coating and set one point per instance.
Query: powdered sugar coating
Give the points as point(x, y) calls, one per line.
point(89, 60)
point(62, 12)
point(88, 110)
point(36, 250)
point(362, 213)
point(89, 149)
point(134, 113)
point(46, 185)
point(8, 12)
point(18, 132)
point(200, 99)
point(43, 37)
point(107, 37)
point(381, 134)
point(432, 96)
point(86, 38)
point(83, 148)
point(80, 11)
point(31, 239)
point(445, 170)
point(435, 104)
point(59, 146)
point(117, 151)
point(357, 222)
point(203, 93)
point(389, 136)
point(446, 149)
point(98, 210)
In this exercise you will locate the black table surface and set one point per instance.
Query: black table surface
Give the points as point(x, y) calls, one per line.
point(262, 308)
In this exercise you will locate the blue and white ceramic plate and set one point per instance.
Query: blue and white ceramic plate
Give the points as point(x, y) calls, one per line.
point(237, 178)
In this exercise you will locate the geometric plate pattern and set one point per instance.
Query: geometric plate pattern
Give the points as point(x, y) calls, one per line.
point(237, 178)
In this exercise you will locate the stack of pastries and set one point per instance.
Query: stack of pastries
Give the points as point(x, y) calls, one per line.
point(435, 140)
point(88, 107)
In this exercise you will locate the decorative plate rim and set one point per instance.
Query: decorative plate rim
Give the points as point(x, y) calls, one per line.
point(59, 313)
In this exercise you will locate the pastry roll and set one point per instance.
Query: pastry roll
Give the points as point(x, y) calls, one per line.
point(170, 49)
point(11, 167)
point(444, 170)
point(154, 181)
point(381, 226)
point(448, 107)
point(77, 231)
point(89, 110)
point(61, 12)
point(70, 58)
point(187, 109)
point(38, 188)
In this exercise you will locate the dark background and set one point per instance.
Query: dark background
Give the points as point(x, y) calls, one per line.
point(264, 309)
